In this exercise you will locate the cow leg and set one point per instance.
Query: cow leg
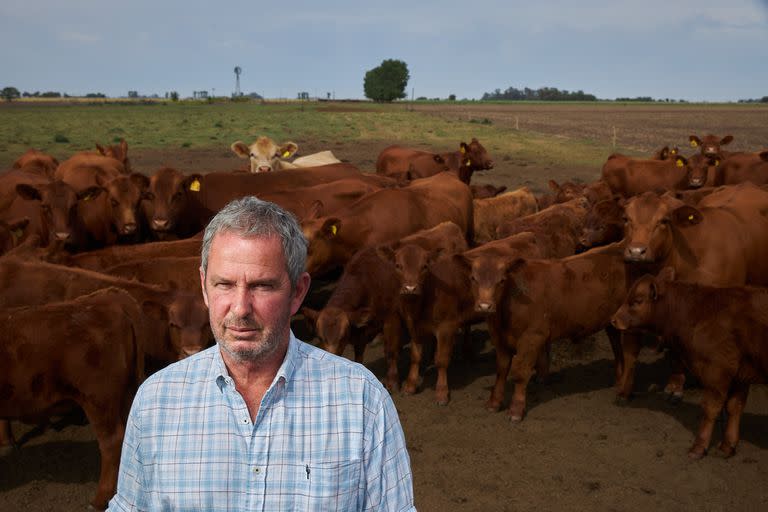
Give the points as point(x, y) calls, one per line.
point(711, 404)
point(109, 428)
point(528, 350)
point(542, 363)
point(504, 355)
point(7, 442)
point(737, 399)
point(391, 352)
point(676, 382)
point(630, 348)
point(446, 335)
point(614, 337)
point(359, 347)
point(411, 384)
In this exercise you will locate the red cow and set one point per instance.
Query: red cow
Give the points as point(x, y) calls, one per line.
point(604, 224)
point(37, 162)
point(395, 160)
point(88, 351)
point(182, 271)
point(710, 144)
point(386, 216)
point(486, 191)
point(490, 213)
point(721, 335)
point(720, 242)
point(117, 151)
point(631, 176)
point(363, 304)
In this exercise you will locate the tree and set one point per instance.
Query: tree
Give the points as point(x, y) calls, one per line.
point(10, 93)
point(386, 82)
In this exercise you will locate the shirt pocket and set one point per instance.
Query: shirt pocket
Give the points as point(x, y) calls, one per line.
point(333, 485)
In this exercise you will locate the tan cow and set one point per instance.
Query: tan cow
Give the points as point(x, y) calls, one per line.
point(264, 154)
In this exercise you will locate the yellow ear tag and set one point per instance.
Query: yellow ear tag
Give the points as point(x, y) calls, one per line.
point(334, 230)
point(17, 233)
point(673, 151)
point(469, 162)
point(88, 197)
point(286, 154)
point(679, 163)
point(461, 148)
point(690, 217)
point(694, 144)
point(717, 162)
point(195, 186)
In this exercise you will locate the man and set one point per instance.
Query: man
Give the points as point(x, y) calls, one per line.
point(261, 421)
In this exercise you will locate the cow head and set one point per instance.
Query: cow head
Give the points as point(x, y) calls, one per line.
point(58, 205)
point(650, 220)
point(710, 144)
point(123, 196)
point(186, 318)
point(699, 167)
point(666, 153)
point(264, 154)
point(411, 264)
point(603, 224)
point(334, 326)
point(488, 272)
point(325, 247)
point(167, 197)
point(637, 311)
point(474, 156)
point(119, 152)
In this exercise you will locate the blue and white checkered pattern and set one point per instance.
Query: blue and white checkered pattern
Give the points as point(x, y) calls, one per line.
point(326, 437)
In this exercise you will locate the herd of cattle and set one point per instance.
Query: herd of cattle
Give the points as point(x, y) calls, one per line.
point(100, 284)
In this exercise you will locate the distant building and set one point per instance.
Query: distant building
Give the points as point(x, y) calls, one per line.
point(133, 94)
point(200, 95)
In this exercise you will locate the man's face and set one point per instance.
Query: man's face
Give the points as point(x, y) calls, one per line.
point(249, 297)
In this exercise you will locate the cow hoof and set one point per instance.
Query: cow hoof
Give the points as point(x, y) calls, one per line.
point(726, 450)
point(696, 453)
point(409, 389)
point(515, 418)
point(492, 406)
point(621, 400)
point(442, 403)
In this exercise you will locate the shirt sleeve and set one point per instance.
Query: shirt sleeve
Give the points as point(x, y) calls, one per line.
point(388, 479)
point(130, 479)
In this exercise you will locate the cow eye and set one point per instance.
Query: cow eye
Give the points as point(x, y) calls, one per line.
point(114, 202)
point(149, 195)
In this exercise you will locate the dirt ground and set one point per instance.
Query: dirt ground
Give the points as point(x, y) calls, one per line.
point(575, 450)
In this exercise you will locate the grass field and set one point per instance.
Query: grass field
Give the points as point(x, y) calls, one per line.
point(580, 134)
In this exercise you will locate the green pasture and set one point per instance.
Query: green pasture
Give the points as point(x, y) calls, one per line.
point(62, 129)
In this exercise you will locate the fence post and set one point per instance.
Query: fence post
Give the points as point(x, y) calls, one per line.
point(614, 137)
point(517, 125)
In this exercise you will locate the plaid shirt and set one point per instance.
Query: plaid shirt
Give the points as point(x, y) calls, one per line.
point(326, 437)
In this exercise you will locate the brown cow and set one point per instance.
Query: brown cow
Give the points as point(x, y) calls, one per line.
point(101, 259)
point(490, 213)
point(741, 167)
point(421, 164)
point(710, 144)
point(37, 162)
point(117, 151)
point(721, 335)
point(604, 224)
point(548, 300)
point(363, 304)
point(486, 191)
point(81, 169)
point(180, 206)
point(183, 271)
point(386, 216)
point(632, 176)
point(720, 242)
point(88, 351)
point(557, 228)
point(665, 153)
point(264, 154)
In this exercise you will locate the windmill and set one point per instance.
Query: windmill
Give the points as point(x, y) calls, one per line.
point(238, 70)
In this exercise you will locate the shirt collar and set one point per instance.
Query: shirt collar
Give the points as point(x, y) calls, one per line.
point(220, 374)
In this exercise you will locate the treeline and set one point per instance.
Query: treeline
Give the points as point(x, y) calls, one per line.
point(54, 94)
point(764, 99)
point(541, 94)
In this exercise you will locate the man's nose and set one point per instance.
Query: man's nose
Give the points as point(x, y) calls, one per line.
point(241, 304)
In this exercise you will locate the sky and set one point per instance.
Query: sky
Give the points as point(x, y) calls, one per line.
point(699, 50)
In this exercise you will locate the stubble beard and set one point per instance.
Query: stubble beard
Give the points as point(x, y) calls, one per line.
point(256, 350)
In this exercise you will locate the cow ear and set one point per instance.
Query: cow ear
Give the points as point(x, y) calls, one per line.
point(241, 149)
point(100, 149)
point(513, 265)
point(331, 227)
point(315, 210)
point(89, 194)
point(193, 183)
point(726, 140)
point(124, 147)
point(463, 147)
point(18, 224)
point(141, 181)
point(553, 186)
point(288, 149)
point(664, 153)
point(462, 261)
point(386, 252)
point(686, 215)
point(28, 192)
point(764, 156)
point(695, 141)
point(681, 161)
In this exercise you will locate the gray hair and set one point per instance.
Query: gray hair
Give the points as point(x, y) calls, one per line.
point(251, 217)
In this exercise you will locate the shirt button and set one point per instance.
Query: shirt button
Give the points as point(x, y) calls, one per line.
point(256, 471)
point(245, 420)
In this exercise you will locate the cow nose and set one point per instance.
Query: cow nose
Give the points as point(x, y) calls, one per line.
point(160, 223)
point(484, 307)
point(129, 228)
point(264, 168)
point(63, 235)
point(636, 252)
point(409, 288)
